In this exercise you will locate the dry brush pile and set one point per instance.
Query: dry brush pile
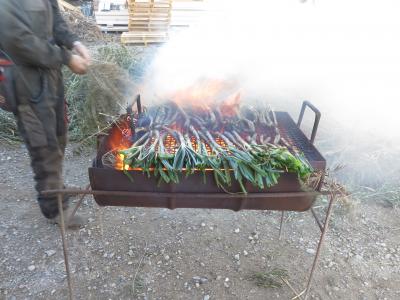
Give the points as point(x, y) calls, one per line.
point(96, 99)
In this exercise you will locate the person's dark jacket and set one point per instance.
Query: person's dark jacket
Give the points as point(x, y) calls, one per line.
point(35, 36)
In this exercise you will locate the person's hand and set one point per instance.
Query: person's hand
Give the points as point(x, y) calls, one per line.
point(82, 51)
point(78, 65)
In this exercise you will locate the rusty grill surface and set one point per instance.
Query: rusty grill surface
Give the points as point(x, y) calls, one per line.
point(208, 195)
point(297, 141)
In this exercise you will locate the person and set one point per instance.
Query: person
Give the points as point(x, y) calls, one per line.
point(38, 40)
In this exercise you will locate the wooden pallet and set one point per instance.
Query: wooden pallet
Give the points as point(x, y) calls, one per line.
point(183, 13)
point(144, 37)
point(112, 21)
point(149, 15)
point(148, 22)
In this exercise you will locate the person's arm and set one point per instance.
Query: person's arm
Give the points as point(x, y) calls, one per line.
point(23, 45)
point(62, 34)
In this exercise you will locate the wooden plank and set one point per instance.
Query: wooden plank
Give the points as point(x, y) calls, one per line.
point(144, 42)
point(114, 28)
point(133, 29)
point(149, 5)
point(116, 13)
point(133, 2)
point(68, 6)
point(145, 33)
point(143, 38)
point(150, 21)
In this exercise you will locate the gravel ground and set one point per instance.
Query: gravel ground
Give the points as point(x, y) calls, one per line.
point(137, 253)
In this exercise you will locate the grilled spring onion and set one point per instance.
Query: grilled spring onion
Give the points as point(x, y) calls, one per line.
point(261, 165)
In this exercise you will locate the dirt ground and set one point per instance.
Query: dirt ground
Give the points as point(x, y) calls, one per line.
point(137, 253)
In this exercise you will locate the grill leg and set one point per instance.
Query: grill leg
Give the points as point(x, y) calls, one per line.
point(321, 241)
point(281, 225)
point(82, 197)
point(64, 243)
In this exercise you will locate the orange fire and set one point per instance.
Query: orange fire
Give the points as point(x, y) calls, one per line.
point(201, 96)
point(119, 139)
point(208, 93)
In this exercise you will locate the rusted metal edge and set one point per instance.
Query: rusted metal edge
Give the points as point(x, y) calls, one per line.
point(185, 195)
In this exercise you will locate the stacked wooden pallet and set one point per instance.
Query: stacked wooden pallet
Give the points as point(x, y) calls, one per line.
point(112, 21)
point(149, 21)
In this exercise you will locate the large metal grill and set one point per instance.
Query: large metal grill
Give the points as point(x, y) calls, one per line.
point(191, 192)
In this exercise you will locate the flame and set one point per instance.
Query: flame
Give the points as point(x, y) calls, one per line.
point(208, 93)
point(230, 107)
point(119, 139)
point(201, 96)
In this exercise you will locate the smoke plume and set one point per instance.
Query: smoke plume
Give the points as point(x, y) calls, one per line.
point(343, 56)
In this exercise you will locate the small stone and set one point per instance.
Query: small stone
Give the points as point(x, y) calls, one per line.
point(50, 252)
point(31, 268)
point(237, 256)
point(245, 253)
point(226, 284)
point(310, 251)
point(237, 230)
point(200, 280)
point(226, 279)
point(206, 297)
point(203, 224)
point(387, 256)
point(219, 277)
point(166, 257)
point(197, 284)
point(130, 253)
point(130, 263)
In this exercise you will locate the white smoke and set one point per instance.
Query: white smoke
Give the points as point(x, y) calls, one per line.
point(342, 55)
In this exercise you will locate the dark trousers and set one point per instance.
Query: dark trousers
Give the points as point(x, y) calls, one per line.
point(42, 125)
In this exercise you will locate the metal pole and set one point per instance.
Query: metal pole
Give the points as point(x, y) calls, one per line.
point(321, 227)
point(64, 243)
point(281, 226)
point(78, 204)
point(321, 241)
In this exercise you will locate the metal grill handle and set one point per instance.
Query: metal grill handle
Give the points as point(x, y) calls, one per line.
point(316, 120)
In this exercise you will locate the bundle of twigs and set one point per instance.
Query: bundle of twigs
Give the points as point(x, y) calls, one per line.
point(207, 140)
